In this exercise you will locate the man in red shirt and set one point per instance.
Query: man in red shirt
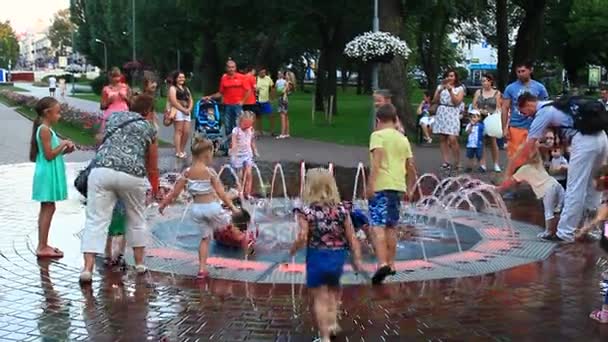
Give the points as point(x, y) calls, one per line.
point(250, 103)
point(234, 89)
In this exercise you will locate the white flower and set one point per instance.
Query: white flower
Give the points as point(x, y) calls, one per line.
point(371, 45)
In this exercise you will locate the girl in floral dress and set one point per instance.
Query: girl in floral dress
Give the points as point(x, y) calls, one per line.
point(327, 232)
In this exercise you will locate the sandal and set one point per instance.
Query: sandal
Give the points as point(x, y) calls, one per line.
point(446, 166)
point(599, 315)
point(56, 253)
point(381, 274)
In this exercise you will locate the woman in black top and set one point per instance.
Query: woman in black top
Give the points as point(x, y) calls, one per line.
point(180, 104)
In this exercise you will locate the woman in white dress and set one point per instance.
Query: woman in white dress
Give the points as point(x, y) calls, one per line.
point(448, 96)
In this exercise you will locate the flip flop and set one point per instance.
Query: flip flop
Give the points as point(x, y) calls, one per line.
point(596, 315)
point(57, 254)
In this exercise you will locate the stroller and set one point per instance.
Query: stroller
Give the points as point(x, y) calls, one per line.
point(208, 123)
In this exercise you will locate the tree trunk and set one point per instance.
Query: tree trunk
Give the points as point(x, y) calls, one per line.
point(266, 49)
point(393, 76)
point(529, 35)
point(331, 89)
point(321, 82)
point(359, 79)
point(210, 66)
point(502, 34)
point(430, 42)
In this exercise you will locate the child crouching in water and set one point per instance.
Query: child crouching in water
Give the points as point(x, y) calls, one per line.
point(203, 184)
point(242, 150)
point(545, 187)
point(327, 232)
point(600, 182)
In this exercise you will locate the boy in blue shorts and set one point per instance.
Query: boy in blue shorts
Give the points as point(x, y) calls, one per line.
point(392, 163)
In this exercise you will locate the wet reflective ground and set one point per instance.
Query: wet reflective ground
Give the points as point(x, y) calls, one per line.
point(42, 301)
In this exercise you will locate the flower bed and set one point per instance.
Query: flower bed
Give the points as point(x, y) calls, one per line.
point(76, 125)
point(379, 47)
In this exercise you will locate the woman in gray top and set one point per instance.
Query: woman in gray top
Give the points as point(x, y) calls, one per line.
point(119, 173)
point(487, 100)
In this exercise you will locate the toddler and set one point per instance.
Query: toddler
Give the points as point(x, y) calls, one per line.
point(558, 166)
point(474, 130)
point(237, 233)
point(327, 232)
point(242, 150)
point(206, 212)
point(426, 120)
point(545, 187)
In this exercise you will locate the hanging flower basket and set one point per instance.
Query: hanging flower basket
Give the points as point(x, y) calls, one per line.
point(376, 47)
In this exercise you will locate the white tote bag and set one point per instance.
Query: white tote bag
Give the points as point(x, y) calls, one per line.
point(493, 125)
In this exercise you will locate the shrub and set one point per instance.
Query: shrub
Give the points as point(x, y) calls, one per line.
point(98, 83)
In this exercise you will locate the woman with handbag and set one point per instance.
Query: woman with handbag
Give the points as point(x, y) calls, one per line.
point(118, 172)
point(115, 96)
point(448, 97)
point(179, 108)
point(487, 100)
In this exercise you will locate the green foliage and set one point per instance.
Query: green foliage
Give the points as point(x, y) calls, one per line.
point(9, 48)
point(587, 28)
point(98, 83)
point(60, 31)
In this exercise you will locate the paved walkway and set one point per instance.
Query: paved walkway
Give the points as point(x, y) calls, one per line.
point(41, 300)
point(427, 158)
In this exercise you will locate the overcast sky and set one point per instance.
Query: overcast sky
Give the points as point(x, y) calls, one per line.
point(30, 14)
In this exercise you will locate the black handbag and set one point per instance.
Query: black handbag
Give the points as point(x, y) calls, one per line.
point(82, 179)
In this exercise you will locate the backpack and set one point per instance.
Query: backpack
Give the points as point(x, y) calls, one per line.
point(589, 115)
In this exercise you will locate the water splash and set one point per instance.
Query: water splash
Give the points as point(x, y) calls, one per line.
point(360, 173)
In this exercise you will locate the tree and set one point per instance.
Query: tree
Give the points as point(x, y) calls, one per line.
point(502, 44)
point(530, 33)
point(393, 76)
point(9, 48)
point(587, 29)
point(60, 31)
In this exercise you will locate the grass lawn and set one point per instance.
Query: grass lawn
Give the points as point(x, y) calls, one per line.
point(13, 88)
point(349, 127)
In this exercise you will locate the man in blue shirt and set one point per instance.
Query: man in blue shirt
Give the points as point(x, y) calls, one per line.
point(588, 153)
point(515, 125)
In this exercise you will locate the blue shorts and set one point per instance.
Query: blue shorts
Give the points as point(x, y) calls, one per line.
point(384, 208)
point(265, 108)
point(474, 152)
point(359, 219)
point(324, 266)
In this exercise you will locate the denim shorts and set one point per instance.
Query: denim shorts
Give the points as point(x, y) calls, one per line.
point(209, 217)
point(324, 266)
point(384, 208)
point(474, 152)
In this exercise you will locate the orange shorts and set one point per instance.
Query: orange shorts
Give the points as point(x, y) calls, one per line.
point(518, 138)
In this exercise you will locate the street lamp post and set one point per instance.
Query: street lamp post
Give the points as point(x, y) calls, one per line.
point(133, 28)
point(105, 53)
point(375, 65)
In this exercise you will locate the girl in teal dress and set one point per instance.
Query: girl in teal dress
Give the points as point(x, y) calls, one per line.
point(49, 184)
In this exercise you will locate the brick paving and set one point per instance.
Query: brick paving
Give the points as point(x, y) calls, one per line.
point(42, 301)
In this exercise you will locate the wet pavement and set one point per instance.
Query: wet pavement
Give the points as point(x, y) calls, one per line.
point(42, 300)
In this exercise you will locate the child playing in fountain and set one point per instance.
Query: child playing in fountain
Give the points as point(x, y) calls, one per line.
point(475, 130)
point(237, 233)
point(600, 182)
point(206, 212)
point(392, 173)
point(242, 150)
point(545, 188)
point(327, 232)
